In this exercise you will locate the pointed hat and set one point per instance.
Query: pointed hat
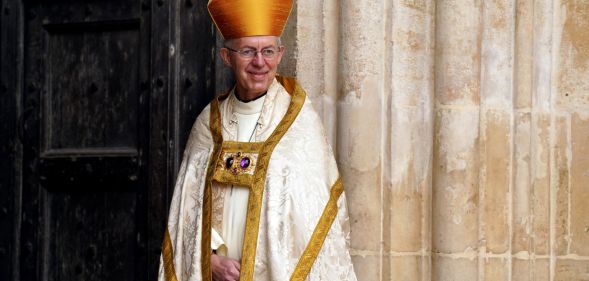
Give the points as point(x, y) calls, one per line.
point(242, 18)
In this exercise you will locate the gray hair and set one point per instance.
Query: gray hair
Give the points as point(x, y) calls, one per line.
point(230, 42)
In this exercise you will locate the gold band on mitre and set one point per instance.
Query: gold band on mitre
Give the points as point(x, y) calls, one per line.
point(242, 18)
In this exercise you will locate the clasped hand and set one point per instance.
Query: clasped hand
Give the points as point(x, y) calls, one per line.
point(224, 268)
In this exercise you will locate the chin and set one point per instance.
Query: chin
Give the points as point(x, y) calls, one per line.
point(261, 86)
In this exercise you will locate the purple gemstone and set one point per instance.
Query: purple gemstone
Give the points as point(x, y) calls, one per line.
point(234, 170)
point(245, 162)
point(228, 163)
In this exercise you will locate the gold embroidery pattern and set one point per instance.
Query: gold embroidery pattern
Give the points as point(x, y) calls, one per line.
point(316, 242)
point(168, 256)
point(218, 206)
point(215, 124)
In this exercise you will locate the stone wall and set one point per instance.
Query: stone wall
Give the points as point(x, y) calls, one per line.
point(462, 132)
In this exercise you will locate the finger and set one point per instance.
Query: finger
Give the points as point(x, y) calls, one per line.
point(235, 273)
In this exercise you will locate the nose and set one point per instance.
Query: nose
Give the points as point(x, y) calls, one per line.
point(258, 59)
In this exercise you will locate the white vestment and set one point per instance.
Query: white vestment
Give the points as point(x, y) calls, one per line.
point(298, 201)
point(229, 243)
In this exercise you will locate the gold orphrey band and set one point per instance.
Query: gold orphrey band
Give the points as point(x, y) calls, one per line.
point(168, 257)
point(316, 242)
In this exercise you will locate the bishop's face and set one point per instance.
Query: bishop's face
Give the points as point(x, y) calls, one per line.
point(253, 74)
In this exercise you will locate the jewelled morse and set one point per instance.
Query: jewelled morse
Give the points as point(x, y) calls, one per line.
point(238, 163)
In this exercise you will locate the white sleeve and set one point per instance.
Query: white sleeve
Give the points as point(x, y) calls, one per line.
point(217, 242)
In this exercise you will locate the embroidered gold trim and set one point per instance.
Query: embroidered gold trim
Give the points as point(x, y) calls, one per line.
point(215, 125)
point(316, 242)
point(247, 147)
point(229, 178)
point(168, 256)
point(288, 83)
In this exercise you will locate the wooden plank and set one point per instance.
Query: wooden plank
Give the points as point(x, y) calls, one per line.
point(143, 257)
point(159, 135)
point(10, 148)
point(29, 250)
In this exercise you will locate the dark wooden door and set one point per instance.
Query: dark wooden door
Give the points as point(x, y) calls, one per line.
point(109, 91)
point(85, 141)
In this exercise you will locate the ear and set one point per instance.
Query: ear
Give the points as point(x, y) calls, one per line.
point(281, 50)
point(225, 56)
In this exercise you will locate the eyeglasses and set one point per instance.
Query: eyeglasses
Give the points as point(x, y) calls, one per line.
point(250, 53)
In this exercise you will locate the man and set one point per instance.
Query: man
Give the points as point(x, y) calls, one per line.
point(258, 195)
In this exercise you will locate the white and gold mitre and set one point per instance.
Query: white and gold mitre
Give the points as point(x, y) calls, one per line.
point(242, 18)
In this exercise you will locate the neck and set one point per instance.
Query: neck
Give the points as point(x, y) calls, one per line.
point(248, 98)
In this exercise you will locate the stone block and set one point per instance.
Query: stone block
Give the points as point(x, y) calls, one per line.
point(573, 55)
point(542, 68)
point(407, 196)
point(387, 269)
point(571, 270)
point(497, 54)
point(580, 184)
point(388, 211)
point(522, 218)
point(541, 270)
point(367, 267)
point(364, 207)
point(458, 52)
point(359, 158)
point(361, 47)
point(308, 29)
point(521, 270)
point(455, 201)
point(496, 181)
point(407, 268)
point(540, 147)
point(523, 53)
point(451, 269)
point(411, 60)
point(407, 225)
point(561, 173)
point(496, 269)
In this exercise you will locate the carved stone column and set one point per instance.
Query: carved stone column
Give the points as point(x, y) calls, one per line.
point(455, 208)
point(360, 127)
point(408, 114)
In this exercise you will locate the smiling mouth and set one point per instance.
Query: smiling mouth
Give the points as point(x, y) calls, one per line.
point(258, 74)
